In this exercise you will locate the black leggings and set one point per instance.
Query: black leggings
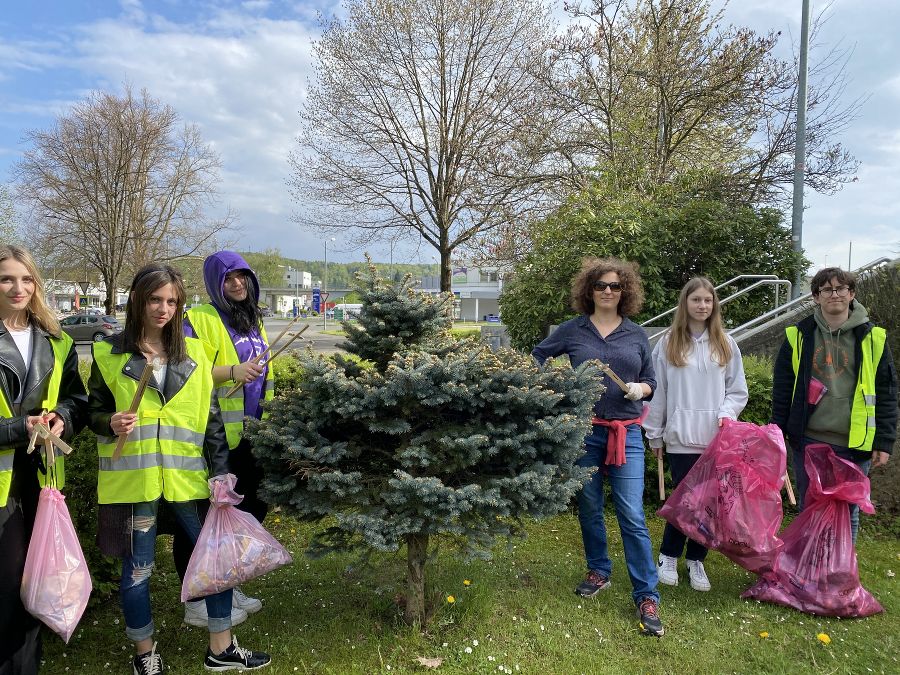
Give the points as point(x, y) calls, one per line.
point(242, 464)
point(20, 642)
point(673, 540)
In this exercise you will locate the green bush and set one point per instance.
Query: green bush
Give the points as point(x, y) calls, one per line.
point(758, 371)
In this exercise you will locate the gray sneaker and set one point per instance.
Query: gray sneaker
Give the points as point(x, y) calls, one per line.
point(593, 583)
point(668, 570)
point(699, 580)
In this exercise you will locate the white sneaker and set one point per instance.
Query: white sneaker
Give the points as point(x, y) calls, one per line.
point(195, 614)
point(245, 602)
point(668, 570)
point(699, 580)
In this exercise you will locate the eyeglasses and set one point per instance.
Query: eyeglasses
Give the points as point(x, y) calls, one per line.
point(615, 286)
point(839, 291)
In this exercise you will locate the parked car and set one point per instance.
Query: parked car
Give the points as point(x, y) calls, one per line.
point(90, 327)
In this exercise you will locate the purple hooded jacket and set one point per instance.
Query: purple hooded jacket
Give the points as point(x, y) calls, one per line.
point(215, 268)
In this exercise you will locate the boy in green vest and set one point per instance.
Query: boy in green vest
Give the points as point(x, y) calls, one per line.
point(835, 382)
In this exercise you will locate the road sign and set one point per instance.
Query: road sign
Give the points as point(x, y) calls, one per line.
point(316, 299)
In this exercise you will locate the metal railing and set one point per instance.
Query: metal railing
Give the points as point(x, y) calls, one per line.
point(761, 321)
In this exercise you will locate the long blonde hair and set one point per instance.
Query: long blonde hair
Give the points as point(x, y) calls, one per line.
point(680, 342)
point(38, 311)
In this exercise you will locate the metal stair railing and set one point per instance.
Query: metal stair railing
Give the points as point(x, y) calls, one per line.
point(765, 320)
point(762, 280)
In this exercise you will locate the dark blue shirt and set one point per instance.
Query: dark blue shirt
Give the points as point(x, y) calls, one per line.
point(626, 350)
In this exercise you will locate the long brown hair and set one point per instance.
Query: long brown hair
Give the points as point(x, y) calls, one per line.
point(37, 309)
point(680, 342)
point(146, 281)
point(592, 269)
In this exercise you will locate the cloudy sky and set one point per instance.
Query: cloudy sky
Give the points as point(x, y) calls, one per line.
point(238, 70)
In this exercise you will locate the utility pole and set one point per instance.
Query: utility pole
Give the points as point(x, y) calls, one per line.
point(800, 149)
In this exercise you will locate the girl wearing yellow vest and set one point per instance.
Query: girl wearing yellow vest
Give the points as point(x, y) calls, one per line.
point(174, 442)
point(231, 323)
point(39, 382)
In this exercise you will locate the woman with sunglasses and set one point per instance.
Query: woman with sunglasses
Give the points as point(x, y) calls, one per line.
point(700, 383)
point(39, 383)
point(606, 292)
point(173, 443)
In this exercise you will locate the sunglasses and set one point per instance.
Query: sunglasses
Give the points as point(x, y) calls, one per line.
point(615, 286)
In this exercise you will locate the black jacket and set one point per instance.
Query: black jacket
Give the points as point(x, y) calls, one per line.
point(792, 418)
point(102, 403)
point(71, 403)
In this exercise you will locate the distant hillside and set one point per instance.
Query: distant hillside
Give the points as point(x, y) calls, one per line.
point(340, 275)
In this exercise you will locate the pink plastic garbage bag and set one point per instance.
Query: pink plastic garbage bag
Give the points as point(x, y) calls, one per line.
point(232, 548)
point(56, 583)
point(730, 500)
point(816, 570)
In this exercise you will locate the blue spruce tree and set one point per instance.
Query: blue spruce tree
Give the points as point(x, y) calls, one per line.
point(426, 435)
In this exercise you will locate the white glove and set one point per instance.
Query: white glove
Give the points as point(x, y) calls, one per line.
point(635, 391)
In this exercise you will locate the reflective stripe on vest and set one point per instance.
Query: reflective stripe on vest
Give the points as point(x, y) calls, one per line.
point(209, 327)
point(61, 346)
point(163, 455)
point(862, 412)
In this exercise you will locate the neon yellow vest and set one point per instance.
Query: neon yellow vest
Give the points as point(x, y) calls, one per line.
point(209, 327)
point(163, 455)
point(61, 346)
point(862, 413)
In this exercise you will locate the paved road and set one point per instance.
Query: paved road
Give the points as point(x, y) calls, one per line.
point(312, 336)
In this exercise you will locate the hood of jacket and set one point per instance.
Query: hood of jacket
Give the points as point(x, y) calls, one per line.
point(858, 316)
point(216, 266)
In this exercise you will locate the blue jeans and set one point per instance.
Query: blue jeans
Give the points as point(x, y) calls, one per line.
point(803, 480)
point(134, 589)
point(627, 484)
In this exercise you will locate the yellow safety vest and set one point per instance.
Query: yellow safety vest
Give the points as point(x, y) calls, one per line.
point(163, 455)
point(209, 327)
point(862, 412)
point(61, 346)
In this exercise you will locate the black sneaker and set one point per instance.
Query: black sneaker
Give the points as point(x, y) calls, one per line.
point(648, 615)
point(149, 663)
point(593, 583)
point(235, 658)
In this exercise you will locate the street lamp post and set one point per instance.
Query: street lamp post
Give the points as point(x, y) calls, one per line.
point(325, 286)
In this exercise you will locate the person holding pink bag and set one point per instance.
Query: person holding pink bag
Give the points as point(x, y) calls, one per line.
point(700, 383)
point(160, 437)
point(39, 382)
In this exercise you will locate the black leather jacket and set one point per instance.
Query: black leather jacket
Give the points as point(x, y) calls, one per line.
point(102, 403)
point(71, 403)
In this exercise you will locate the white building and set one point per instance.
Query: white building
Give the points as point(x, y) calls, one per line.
point(477, 290)
point(61, 295)
point(297, 278)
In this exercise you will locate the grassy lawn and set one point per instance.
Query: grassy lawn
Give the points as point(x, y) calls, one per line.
point(518, 614)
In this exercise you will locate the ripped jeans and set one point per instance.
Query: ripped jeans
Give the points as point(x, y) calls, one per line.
point(134, 589)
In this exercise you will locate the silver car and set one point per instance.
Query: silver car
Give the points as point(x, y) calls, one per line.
point(90, 327)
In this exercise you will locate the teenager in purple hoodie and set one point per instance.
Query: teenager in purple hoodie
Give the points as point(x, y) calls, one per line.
point(232, 324)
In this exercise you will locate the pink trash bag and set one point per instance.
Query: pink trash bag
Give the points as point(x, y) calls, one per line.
point(56, 583)
point(730, 500)
point(816, 570)
point(232, 548)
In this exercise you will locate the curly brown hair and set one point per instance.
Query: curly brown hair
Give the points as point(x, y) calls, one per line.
point(592, 269)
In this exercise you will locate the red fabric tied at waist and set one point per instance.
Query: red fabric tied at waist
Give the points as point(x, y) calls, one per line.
point(615, 439)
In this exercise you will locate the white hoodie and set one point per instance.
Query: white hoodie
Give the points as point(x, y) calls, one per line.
point(690, 400)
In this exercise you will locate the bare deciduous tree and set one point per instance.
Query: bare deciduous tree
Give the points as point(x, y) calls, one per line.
point(118, 182)
point(414, 124)
point(654, 89)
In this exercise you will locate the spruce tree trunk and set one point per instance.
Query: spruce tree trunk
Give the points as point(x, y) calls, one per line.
point(416, 555)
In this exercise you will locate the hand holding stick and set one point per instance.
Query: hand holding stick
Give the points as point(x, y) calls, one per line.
point(135, 403)
point(259, 357)
point(615, 378)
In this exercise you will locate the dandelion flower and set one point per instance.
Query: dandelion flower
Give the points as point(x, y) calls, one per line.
point(451, 599)
point(764, 634)
point(467, 582)
point(824, 639)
